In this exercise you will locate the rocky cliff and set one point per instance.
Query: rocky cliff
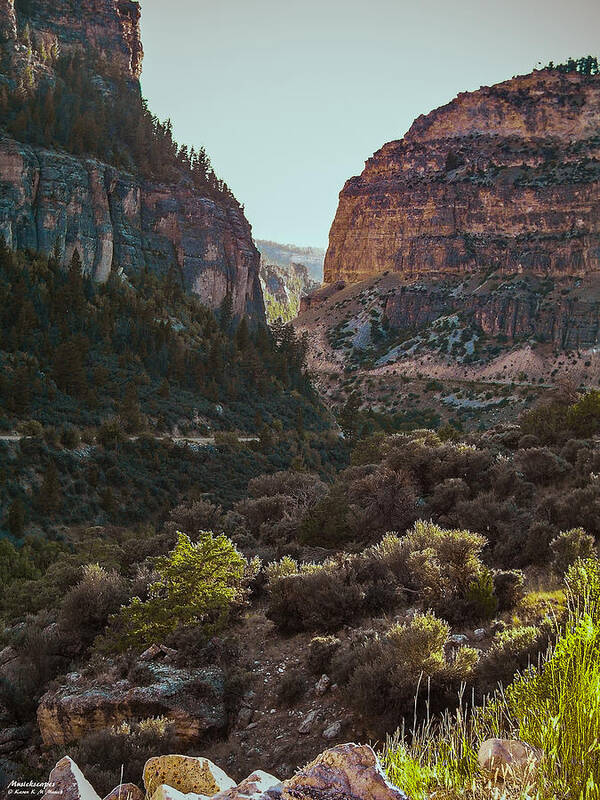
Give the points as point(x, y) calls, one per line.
point(116, 219)
point(506, 178)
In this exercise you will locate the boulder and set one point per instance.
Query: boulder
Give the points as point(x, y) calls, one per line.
point(186, 774)
point(193, 699)
point(68, 782)
point(322, 684)
point(254, 787)
point(125, 791)
point(308, 721)
point(333, 730)
point(348, 771)
point(502, 756)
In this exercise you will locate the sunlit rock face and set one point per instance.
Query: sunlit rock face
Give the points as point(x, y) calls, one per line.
point(505, 178)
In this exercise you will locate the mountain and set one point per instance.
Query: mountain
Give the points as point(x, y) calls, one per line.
point(504, 178)
point(469, 252)
point(85, 166)
point(284, 255)
point(283, 288)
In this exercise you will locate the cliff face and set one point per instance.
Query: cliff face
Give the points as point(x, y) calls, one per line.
point(50, 199)
point(109, 30)
point(505, 178)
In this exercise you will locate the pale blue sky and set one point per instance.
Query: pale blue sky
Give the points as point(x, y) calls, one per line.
point(290, 98)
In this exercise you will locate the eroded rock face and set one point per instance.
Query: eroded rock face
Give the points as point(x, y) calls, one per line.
point(53, 200)
point(191, 699)
point(109, 29)
point(347, 771)
point(49, 199)
point(506, 178)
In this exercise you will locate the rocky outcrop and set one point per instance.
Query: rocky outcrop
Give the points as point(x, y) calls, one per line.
point(520, 309)
point(345, 772)
point(193, 700)
point(52, 200)
point(283, 289)
point(504, 178)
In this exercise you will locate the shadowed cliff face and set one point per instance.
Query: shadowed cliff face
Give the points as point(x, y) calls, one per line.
point(503, 178)
point(52, 201)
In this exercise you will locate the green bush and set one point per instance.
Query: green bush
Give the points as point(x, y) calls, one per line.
point(570, 545)
point(511, 650)
point(198, 584)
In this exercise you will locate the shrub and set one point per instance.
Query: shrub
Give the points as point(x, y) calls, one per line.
point(570, 545)
point(509, 588)
point(321, 651)
point(102, 754)
point(30, 427)
point(389, 671)
point(323, 599)
point(87, 606)
point(197, 585)
point(511, 650)
point(292, 686)
point(481, 602)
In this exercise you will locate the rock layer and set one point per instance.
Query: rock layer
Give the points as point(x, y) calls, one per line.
point(506, 178)
point(191, 699)
point(53, 200)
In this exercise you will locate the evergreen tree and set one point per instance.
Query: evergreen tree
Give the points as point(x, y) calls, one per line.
point(49, 496)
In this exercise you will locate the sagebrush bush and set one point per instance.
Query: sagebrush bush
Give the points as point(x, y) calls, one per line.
point(383, 675)
point(292, 686)
point(511, 650)
point(321, 651)
point(87, 607)
point(509, 588)
point(570, 545)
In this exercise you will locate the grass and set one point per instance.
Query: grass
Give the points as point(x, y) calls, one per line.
point(554, 706)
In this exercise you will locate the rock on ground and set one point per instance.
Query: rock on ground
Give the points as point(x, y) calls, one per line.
point(348, 771)
point(254, 787)
point(68, 782)
point(507, 755)
point(185, 774)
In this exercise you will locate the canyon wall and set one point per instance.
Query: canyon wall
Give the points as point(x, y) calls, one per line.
point(505, 178)
point(54, 201)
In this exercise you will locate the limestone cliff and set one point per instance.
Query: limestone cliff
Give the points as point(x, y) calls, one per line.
point(116, 219)
point(505, 178)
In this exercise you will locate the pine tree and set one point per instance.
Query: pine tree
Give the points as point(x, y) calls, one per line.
point(49, 496)
point(16, 518)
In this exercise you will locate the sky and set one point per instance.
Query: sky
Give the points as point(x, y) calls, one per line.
point(291, 97)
